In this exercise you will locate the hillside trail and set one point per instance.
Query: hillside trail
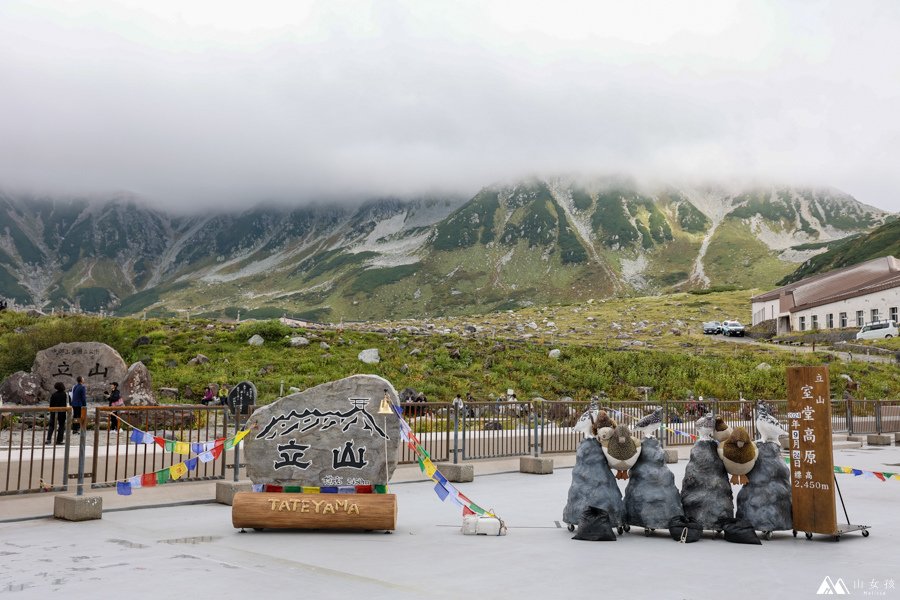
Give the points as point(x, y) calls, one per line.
point(842, 354)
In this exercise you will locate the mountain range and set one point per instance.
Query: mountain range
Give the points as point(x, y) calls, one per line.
point(536, 241)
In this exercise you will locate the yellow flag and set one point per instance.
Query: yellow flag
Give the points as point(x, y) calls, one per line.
point(177, 471)
point(240, 436)
point(429, 468)
point(182, 448)
point(310, 490)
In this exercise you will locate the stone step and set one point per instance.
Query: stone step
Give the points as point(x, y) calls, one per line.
point(839, 437)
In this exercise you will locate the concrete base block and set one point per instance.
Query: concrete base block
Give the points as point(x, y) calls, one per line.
point(535, 464)
point(457, 473)
point(671, 455)
point(856, 438)
point(879, 439)
point(225, 490)
point(78, 508)
point(897, 437)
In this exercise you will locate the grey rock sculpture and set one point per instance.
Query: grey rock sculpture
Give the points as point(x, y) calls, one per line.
point(705, 491)
point(593, 484)
point(651, 498)
point(766, 500)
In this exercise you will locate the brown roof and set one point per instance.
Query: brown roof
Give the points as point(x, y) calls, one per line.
point(864, 278)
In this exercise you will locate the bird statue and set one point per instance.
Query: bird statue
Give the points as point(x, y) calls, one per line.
point(722, 431)
point(622, 451)
point(603, 434)
point(739, 454)
point(767, 425)
point(705, 426)
point(649, 425)
point(584, 424)
point(601, 421)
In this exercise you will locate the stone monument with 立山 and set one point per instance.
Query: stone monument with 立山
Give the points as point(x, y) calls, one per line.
point(705, 491)
point(98, 363)
point(593, 484)
point(651, 498)
point(328, 436)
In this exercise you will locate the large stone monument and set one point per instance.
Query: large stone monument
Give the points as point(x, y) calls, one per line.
point(705, 491)
point(766, 500)
point(327, 436)
point(97, 363)
point(651, 498)
point(593, 484)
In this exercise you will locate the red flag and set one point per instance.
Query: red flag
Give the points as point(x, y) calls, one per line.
point(161, 442)
point(217, 450)
point(467, 511)
point(148, 479)
point(879, 475)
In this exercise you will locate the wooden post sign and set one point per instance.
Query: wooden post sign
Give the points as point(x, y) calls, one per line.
point(812, 461)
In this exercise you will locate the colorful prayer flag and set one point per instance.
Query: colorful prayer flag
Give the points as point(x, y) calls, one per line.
point(381, 489)
point(240, 436)
point(182, 448)
point(161, 442)
point(192, 464)
point(170, 445)
point(135, 481)
point(329, 490)
point(258, 487)
point(177, 471)
point(346, 489)
point(123, 488)
point(148, 479)
point(148, 438)
point(440, 491)
point(310, 489)
point(197, 448)
point(162, 476)
point(206, 457)
point(137, 436)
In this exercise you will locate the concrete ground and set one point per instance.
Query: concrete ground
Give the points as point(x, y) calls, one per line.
point(192, 550)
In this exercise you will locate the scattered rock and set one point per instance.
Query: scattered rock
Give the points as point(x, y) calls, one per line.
point(454, 353)
point(256, 340)
point(555, 353)
point(167, 392)
point(298, 341)
point(404, 369)
point(498, 347)
point(415, 352)
point(141, 341)
point(488, 362)
point(171, 364)
point(763, 366)
point(23, 389)
point(369, 356)
point(324, 346)
point(470, 329)
point(136, 388)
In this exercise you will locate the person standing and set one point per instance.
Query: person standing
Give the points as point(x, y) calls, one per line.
point(79, 402)
point(115, 399)
point(58, 399)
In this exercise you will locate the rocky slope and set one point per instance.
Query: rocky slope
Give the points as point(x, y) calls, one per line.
point(535, 241)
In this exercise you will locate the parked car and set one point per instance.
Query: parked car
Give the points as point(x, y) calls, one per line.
point(732, 328)
point(877, 330)
point(712, 327)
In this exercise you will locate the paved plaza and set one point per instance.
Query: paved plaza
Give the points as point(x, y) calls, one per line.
point(193, 551)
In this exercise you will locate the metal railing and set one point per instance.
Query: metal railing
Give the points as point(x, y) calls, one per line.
point(476, 431)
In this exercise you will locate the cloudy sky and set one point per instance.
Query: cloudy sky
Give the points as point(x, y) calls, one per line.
point(202, 102)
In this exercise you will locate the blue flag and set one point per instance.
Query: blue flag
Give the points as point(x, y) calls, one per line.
point(440, 478)
point(198, 448)
point(123, 488)
point(137, 436)
point(192, 463)
point(259, 487)
point(440, 491)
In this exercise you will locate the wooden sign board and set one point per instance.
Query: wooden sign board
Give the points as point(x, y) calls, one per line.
point(267, 510)
point(811, 453)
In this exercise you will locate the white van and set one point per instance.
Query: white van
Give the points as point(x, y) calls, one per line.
point(877, 330)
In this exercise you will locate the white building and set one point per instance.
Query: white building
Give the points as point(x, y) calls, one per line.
point(849, 297)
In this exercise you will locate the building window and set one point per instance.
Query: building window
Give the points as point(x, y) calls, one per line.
point(843, 318)
point(802, 323)
point(815, 322)
point(829, 321)
point(894, 314)
point(874, 313)
point(860, 319)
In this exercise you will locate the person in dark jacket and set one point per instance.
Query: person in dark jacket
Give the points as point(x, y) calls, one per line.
point(58, 399)
point(79, 401)
point(115, 399)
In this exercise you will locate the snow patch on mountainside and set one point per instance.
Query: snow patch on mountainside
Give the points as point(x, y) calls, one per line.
point(562, 193)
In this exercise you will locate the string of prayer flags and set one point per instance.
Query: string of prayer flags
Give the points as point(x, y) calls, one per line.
point(864, 473)
point(619, 414)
